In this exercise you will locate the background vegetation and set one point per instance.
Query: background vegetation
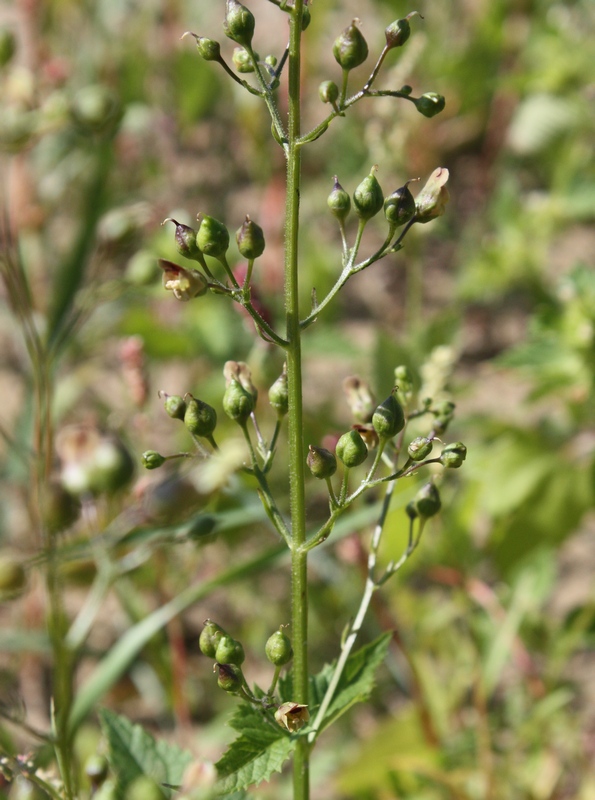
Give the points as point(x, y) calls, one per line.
point(109, 124)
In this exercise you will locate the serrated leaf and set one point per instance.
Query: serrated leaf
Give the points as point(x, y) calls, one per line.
point(259, 751)
point(134, 752)
point(357, 680)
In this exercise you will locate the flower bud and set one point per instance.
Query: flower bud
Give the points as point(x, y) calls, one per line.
point(8, 46)
point(430, 104)
point(242, 61)
point(292, 716)
point(239, 23)
point(250, 239)
point(209, 49)
point(453, 455)
point(443, 415)
point(399, 31)
point(431, 201)
point(238, 404)
point(229, 677)
point(368, 198)
point(12, 578)
point(278, 649)
point(175, 406)
point(200, 418)
point(360, 398)
point(427, 501)
point(212, 237)
point(350, 48)
point(321, 462)
point(419, 448)
point(185, 239)
point(328, 91)
point(271, 61)
point(209, 638)
point(184, 283)
point(339, 202)
point(278, 394)
point(399, 207)
point(351, 449)
point(229, 651)
point(388, 418)
point(151, 459)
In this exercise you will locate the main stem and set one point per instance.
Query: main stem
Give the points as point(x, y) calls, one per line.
point(299, 570)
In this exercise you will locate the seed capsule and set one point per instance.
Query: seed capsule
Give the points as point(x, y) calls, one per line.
point(399, 207)
point(328, 91)
point(279, 395)
point(212, 237)
point(321, 462)
point(151, 459)
point(250, 239)
point(350, 48)
point(229, 677)
point(368, 198)
point(430, 104)
point(238, 404)
point(420, 448)
point(399, 31)
point(209, 638)
point(389, 418)
point(453, 455)
point(185, 239)
point(229, 651)
point(427, 501)
point(278, 649)
point(200, 418)
point(239, 23)
point(351, 449)
point(339, 202)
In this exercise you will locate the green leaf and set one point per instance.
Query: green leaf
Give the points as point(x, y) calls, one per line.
point(133, 752)
point(358, 678)
point(260, 750)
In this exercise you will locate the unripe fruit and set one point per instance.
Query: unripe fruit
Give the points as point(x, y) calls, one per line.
point(279, 395)
point(453, 455)
point(351, 449)
point(238, 404)
point(368, 198)
point(209, 638)
point(350, 48)
point(278, 649)
point(339, 202)
point(239, 23)
point(250, 239)
point(430, 104)
point(212, 237)
point(399, 207)
point(175, 406)
point(427, 501)
point(229, 651)
point(185, 239)
point(328, 91)
point(419, 448)
point(229, 677)
point(200, 418)
point(389, 418)
point(321, 462)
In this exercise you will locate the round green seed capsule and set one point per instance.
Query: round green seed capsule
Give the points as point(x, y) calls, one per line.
point(351, 449)
point(278, 649)
point(209, 638)
point(229, 651)
point(389, 418)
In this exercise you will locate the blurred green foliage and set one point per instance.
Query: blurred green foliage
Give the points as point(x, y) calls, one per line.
point(109, 125)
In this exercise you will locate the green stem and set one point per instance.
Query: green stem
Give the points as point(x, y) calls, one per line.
point(297, 459)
